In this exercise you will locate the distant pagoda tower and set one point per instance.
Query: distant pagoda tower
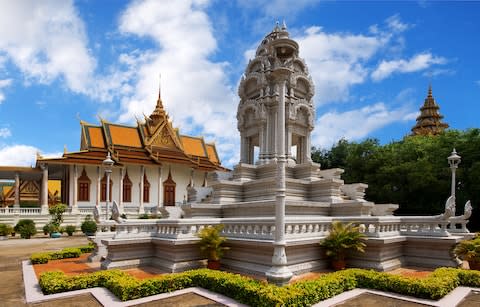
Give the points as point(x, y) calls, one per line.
point(429, 122)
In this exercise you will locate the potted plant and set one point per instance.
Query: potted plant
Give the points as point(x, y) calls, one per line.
point(89, 227)
point(26, 228)
point(5, 230)
point(342, 239)
point(70, 229)
point(469, 250)
point(211, 245)
point(56, 213)
point(47, 229)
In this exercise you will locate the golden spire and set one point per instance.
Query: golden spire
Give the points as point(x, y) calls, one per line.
point(429, 122)
point(159, 111)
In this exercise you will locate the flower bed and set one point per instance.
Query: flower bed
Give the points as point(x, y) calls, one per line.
point(70, 252)
point(258, 293)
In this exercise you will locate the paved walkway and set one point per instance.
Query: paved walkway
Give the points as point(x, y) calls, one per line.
point(13, 251)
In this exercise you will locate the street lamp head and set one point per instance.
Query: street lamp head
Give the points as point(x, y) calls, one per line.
point(454, 159)
point(108, 163)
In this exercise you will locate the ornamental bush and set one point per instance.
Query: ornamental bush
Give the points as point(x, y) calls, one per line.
point(5, 229)
point(26, 228)
point(258, 293)
point(88, 226)
point(69, 252)
point(70, 229)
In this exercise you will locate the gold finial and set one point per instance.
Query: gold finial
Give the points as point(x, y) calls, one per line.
point(159, 86)
point(65, 149)
point(430, 90)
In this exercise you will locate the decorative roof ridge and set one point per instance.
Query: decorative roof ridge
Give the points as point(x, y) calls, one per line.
point(193, 137)
point(120, 125)
point(85, 123)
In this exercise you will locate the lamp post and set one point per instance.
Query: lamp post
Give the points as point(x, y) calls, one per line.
point(107, 164)
point(453, 161)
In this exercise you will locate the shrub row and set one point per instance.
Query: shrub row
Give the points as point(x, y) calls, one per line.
point(70, 252)
point(258, 293)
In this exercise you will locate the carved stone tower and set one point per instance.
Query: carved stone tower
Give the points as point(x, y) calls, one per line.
point(274, 74)
point(429, 122)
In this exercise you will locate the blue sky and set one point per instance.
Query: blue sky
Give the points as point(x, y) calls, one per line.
point(371, 63)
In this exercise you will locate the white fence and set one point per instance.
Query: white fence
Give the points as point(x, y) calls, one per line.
point(295, 228)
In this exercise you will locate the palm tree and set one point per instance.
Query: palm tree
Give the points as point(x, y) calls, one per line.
point(211, 244)
point(342, 239)
point(469, 250)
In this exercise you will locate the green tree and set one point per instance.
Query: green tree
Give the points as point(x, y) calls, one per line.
point(413, 172)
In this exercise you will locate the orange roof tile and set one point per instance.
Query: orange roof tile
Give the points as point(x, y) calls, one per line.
point(193, 146)
point(125, 136)
point(96, 137)
point(212, 154)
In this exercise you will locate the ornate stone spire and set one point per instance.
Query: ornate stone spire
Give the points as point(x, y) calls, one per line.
point(429, 122)
point(275, 78)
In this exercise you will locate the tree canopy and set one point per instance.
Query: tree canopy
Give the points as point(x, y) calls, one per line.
point(413, 172)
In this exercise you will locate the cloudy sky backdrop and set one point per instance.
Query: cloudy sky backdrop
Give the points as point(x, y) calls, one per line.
point(371, 62)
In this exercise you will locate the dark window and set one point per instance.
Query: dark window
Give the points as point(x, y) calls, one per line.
point(103, 192)
point(83, 187)
point(127, 189)
point(146, 189)
point(169, 191)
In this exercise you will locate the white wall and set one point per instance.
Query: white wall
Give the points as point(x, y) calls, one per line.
point(180, 174)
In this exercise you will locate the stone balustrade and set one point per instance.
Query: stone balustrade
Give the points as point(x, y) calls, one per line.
point(20, 211)
point(263, 228)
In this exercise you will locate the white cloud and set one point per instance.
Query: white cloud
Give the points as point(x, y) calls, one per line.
point(4, 83)
point(194, 88)
point(5, 133)
point(20, 155)
point(356, 124)
point(46, 40)
point(395, 24)
point(337, 61)
point(416, 63)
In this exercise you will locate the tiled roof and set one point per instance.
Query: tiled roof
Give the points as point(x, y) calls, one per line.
point(193, 146)
point(151, 142)
point(123, 135)
point(212, 154)
point(95, 136)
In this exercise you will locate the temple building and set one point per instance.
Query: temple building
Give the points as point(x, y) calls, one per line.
point(429, 122)
point(154, 165)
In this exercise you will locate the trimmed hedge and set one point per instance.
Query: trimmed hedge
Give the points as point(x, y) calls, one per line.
point(69, 252)
point(259, 293)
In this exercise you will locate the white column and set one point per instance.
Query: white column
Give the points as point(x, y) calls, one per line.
point(120, 189)
point(141, 208)
point(160, 192)
point(44, 202)
point(17, 191)
point(97, 186)
point(243, 149)
point(308, 149)
point(75, 188)
point(279, 273)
